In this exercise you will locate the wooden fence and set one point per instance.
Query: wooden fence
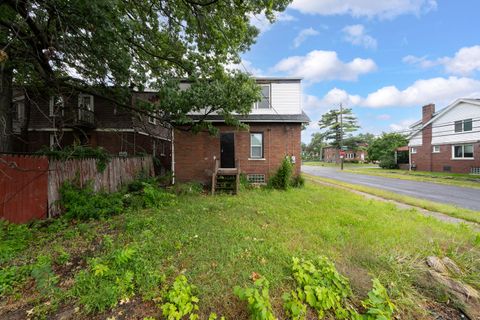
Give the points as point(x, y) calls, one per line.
point(29, 185)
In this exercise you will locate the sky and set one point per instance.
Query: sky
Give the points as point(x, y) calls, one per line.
point(384, 59)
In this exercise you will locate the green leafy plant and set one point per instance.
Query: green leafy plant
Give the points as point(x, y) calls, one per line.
point(83, 203)
point(281, 178)
point(180, 300)
point(294, 306)
point(44, 276)
point(13, 239)
point(157, 198)
point(11, 277)
point(79, 152)
point(188, 188)
point(378, 305)
point(258, 299)
point(298, 181)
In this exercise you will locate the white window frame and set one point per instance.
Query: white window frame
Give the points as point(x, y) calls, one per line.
point(462, 125)
point(20, 107)
point(257, 104)
point(52, 105)
point(435, 149)
point(151, 119)
point(256, 146)
point(413, 150)
point(463, 151)
point(92, 101)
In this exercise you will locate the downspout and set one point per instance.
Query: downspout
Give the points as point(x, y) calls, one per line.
point(173, 156)
point(409, 159)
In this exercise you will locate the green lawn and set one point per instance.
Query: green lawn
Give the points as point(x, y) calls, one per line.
point(333, 164)
point(217, 242)
point(456, 179)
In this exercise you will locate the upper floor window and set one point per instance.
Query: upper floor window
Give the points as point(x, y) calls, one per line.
point(256, 145)
point(264, 103)
point(56, 106)
point(464, 151)
point(463, 125)
point(413, 150)
point(85, 102)
point(18, 108)
point(152, 118)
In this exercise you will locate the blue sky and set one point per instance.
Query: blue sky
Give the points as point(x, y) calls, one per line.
point(385, 59)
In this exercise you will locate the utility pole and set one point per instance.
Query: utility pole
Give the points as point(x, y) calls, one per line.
point(341, 136)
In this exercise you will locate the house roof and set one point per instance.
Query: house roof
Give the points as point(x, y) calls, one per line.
point(296, 118)
point(441, 112)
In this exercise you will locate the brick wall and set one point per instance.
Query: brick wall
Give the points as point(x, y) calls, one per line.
point(426, 160)
point(195, 153)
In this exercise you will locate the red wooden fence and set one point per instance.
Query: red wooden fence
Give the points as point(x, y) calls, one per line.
point(29, 185)
point(23, 188)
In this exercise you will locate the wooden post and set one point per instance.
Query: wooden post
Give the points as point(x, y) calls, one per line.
point(237, 182)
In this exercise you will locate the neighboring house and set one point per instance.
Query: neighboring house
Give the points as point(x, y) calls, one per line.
point(447, 140)
point(42, 121)
point(332, 154)
point(275, 125)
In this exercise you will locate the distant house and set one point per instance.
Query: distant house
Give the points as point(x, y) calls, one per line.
point(332, 154)
point(275, 125)
point(42, 121)
point(447, 140)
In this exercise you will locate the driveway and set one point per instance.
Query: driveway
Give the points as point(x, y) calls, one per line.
point(460, 196)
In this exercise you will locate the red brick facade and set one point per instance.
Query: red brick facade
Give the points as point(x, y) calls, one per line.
point(332, 154)
point(195, 153)
point(442, 161)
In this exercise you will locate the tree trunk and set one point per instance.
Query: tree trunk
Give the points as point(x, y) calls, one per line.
point(6, 93)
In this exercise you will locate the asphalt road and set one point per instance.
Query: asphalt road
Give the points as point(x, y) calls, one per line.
point(460, 196)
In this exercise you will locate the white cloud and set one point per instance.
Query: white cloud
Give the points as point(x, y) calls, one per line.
point(245, 66)
point(320, 65)
point(303, 35)
point(263, 24)
point(421, 92)
point(402, 125)
point(384, 9)
point(356, 35)
point(465, 61)
point(383, 117)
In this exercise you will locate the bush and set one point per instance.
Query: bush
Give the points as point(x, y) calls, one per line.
point(189, 188)
point(281, 179)
point(388, 162)
point(298, 181)
point(84, 203)
point(155, 197)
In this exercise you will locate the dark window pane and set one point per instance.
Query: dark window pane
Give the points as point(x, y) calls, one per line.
point(458, 126)
point(265, 102)
point(458, 152)
point(467, 125)
point(468, 151)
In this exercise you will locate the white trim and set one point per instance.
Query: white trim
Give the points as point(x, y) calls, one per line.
point(256, 105)
point(51, 105)
point(261, 145)
point(413, 150)
point(463, 151)
point(257, 159)
point(433, 149)
point(49, 129)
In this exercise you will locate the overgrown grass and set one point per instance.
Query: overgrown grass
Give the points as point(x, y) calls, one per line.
point(465, 214)
point(218, 242)
point(337, 165)
point(455, 179)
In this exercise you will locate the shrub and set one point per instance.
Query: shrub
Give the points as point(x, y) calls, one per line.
point(258, 300)
point(180, 300)
point(281, 179)
point(188, 188)
point(388, 162)
point(13, 239)
point(157, 198)
point(298, 181)
point(84, 203)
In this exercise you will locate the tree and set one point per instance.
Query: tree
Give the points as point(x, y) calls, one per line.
point(385, 145)
point(353, 142)
point(336, 124)
point(108, 47)
point(314, 148)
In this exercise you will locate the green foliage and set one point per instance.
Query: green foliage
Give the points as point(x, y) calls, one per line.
point(157, 198)
point(180, 300)
point(388, 162)
point(188, 188)
point(297, 181)
point(281, 178)
point(14, 238)
point(378, 305)
point(294, 306)
point(385, 145)
point(324, 289)
point(11, 277)
point(84, 203)
point(44, 276)
point(335, 129)
point(258, 300)
point(79, 152)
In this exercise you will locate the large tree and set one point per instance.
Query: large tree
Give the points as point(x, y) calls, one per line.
point(385, 145)
point(336, 123)
point(94, 46)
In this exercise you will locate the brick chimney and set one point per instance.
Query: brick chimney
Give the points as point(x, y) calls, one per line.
point(427, 112)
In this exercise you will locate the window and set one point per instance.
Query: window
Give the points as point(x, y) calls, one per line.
point(256, 145)
point(264, 103)
point(57, 105)
point(152, 119)
point(413, 150)
point(85, 102)
point(18, 108)
point(436, 149)
point(464, 151)
point(256, 178)
point(463, 125)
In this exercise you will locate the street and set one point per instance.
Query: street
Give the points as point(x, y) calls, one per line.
point(459, 196)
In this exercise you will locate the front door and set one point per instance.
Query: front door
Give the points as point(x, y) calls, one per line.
point(227, 150)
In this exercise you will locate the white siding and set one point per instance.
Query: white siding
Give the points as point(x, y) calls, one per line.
point(416, 140)
point(285, 99)
point(443, 129)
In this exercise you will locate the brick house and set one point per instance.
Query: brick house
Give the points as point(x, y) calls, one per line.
point(41, 121)
point(447, 140)
point(274, 132)
point(332, 154)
